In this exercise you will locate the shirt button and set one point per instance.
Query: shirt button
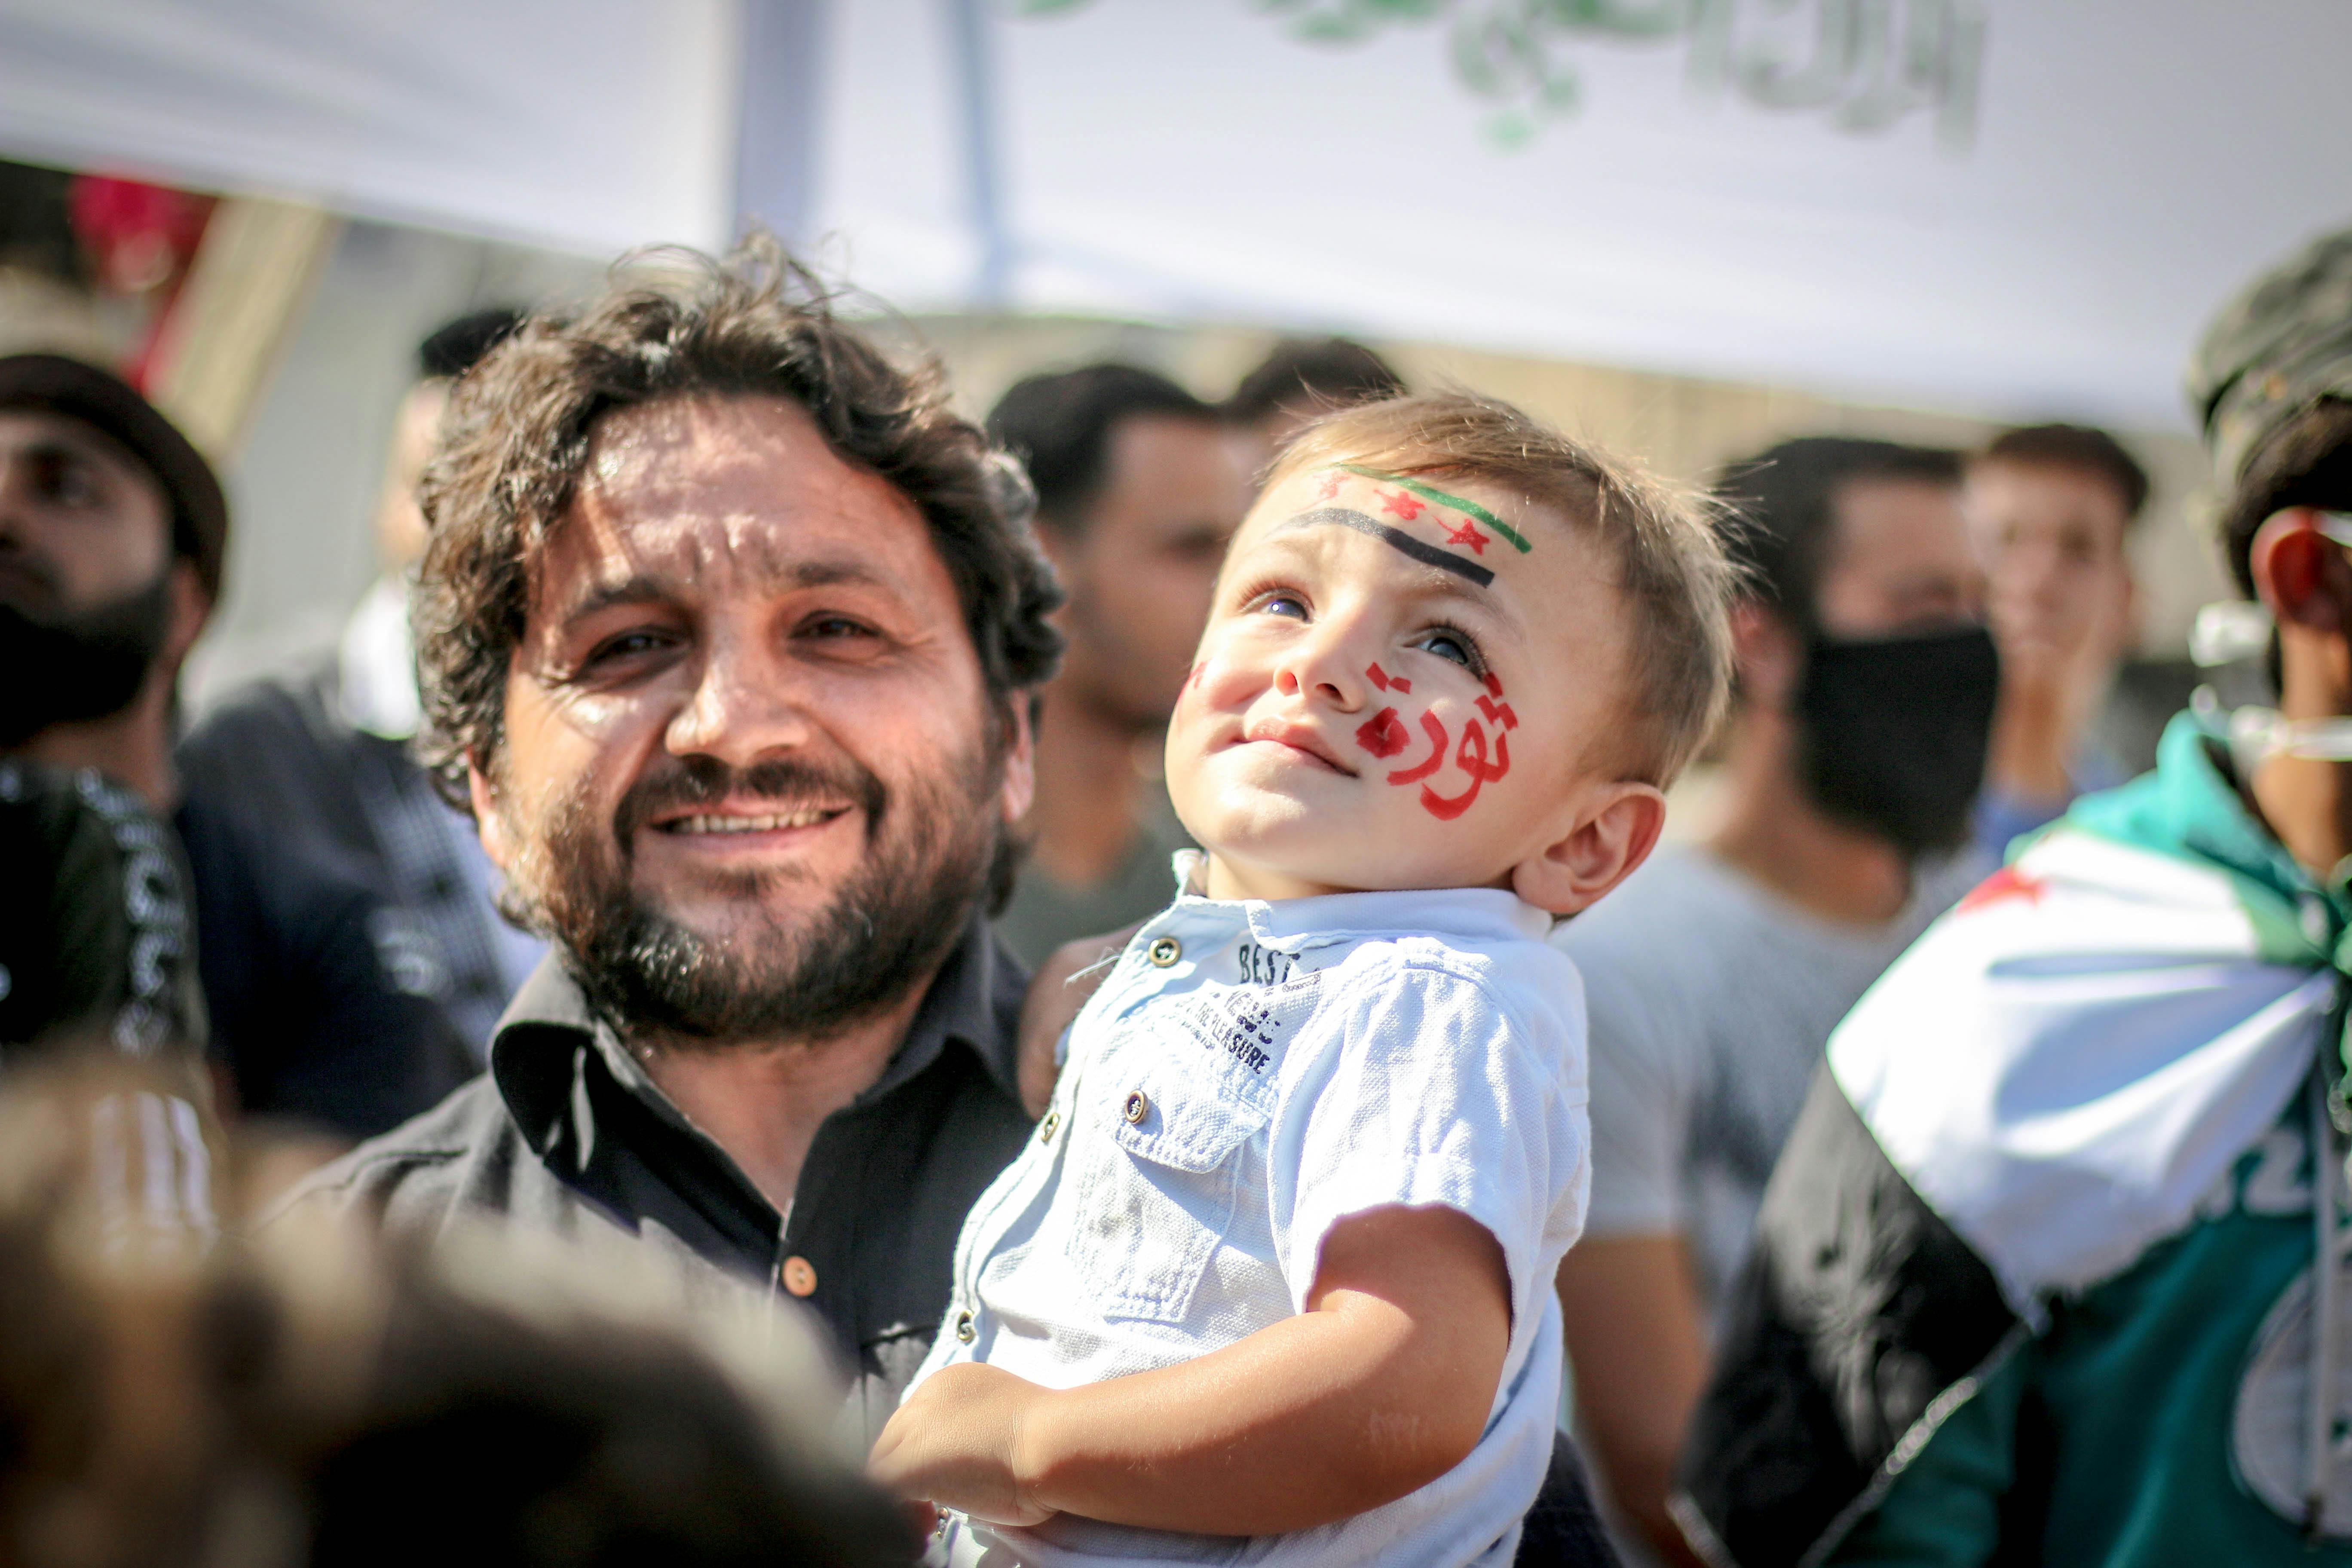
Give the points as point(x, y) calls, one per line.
point(1136, 1109)
point(799, 1276)
point(1164, 952)
point(964, 1330)
point(1052, 1121)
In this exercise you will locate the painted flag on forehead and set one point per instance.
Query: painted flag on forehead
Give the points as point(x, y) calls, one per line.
point(2056, 1078)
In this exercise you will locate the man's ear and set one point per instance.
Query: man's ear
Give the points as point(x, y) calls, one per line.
point(487, 823)
point(190, 608)
point(1020, 763)
point(1602, 850)
point(1766, 656)
point(2300, 573)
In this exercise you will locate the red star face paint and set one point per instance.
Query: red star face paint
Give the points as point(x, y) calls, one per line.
point(1398, 504)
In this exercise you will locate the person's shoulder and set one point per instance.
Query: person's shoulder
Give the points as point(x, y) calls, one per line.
point(422, 1170)
point(1519, 993)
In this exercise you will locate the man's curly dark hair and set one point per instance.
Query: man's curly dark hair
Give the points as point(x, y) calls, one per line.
point(756, 323)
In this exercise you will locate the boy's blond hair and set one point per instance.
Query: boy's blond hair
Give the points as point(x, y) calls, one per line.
point(1672, 569)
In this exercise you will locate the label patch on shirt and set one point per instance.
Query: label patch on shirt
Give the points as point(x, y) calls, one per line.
point(1248, 1026)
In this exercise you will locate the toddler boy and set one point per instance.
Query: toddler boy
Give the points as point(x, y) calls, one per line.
point(1278, 1263)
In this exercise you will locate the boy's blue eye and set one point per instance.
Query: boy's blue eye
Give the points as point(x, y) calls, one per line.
point(1282, 605)
point(1447, 645)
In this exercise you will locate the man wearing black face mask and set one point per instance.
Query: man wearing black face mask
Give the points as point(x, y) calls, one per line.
point(111, 534)
point(1715, 975)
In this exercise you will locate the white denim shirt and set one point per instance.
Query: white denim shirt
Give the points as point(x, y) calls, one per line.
point(1249, 1074)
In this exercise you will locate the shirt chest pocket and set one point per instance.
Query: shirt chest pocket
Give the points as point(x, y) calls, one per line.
point(1165, 1166)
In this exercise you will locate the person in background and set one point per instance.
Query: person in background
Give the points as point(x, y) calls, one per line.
point(1137, 494)
point(2051, 508)
point(1300, 380)
point(1865, 688)
point(323, 755)
point(2053, 1268)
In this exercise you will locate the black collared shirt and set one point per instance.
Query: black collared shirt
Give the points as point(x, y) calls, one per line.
point(566, 1131)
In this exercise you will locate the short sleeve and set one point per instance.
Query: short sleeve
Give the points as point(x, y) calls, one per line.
point(1642, 1072)
point(1425, 1090)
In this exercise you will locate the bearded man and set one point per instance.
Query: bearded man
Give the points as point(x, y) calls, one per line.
point(727, 633)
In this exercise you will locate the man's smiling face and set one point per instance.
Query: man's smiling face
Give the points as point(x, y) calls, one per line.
point(748, 775)
point(1403, 684)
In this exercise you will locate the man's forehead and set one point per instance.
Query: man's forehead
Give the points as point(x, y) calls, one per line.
point(22, 427)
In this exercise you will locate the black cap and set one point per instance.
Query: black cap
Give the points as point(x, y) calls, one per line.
point(107, 403)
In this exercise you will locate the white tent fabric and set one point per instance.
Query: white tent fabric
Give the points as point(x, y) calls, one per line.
point(2131, 161)
point(588, 125)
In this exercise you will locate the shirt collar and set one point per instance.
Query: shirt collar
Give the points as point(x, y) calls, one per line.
point(974, 1000)
point(1296, 925)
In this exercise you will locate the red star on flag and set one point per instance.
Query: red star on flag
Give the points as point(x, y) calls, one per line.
point(1466, 534)
point(1329, 488)
point(1403, 505)
point(2002, 885)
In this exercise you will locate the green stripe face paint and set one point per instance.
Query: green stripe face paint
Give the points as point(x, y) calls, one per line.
point(1431, 492)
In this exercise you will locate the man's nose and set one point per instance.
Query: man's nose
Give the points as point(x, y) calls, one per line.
point(743, 706)
point(1325, 664)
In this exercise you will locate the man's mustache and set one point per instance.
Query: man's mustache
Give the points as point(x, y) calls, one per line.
point(788, 784)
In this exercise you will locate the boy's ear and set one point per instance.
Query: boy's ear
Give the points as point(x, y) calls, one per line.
point(1601, 851)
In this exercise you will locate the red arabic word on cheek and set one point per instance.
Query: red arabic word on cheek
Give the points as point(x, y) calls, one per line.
point(1499, 713)
point(1385, 680)
point(1435, 728)
point(1472, 759)
point(1384, 734)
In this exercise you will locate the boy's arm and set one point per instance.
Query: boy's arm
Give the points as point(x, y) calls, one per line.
point(1380, 1386)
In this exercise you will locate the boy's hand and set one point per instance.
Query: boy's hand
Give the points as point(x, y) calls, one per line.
point(954, 1441)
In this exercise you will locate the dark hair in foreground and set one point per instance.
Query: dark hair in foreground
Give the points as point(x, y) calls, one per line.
point(1671, 571)
point(1061, 425)
point(1312, 374)
point(755, 324)
point(1784, 502)
point(2075, 446)
point(302, 1396)
point(2308, 461)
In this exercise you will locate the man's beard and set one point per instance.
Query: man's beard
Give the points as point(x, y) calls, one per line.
point(70, 665)
point(810, 977)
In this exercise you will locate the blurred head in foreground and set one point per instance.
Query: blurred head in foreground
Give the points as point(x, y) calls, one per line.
point(307, 1398)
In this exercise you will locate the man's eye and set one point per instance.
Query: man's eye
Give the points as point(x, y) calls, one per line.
point(628, 644)
point(829, 628)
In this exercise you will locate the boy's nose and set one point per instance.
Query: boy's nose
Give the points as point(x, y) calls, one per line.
point(1322, 667)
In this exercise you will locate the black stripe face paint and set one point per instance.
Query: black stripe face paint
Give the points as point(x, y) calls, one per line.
point(1396, 538)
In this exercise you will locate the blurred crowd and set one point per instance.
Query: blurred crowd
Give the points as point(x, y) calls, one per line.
point(354, 1142)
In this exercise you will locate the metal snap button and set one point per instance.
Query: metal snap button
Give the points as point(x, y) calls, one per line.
point(1046, 1130)
point(799, 1276)
point(1164, 952)
point(964, 1330)
point(1136, 1109)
